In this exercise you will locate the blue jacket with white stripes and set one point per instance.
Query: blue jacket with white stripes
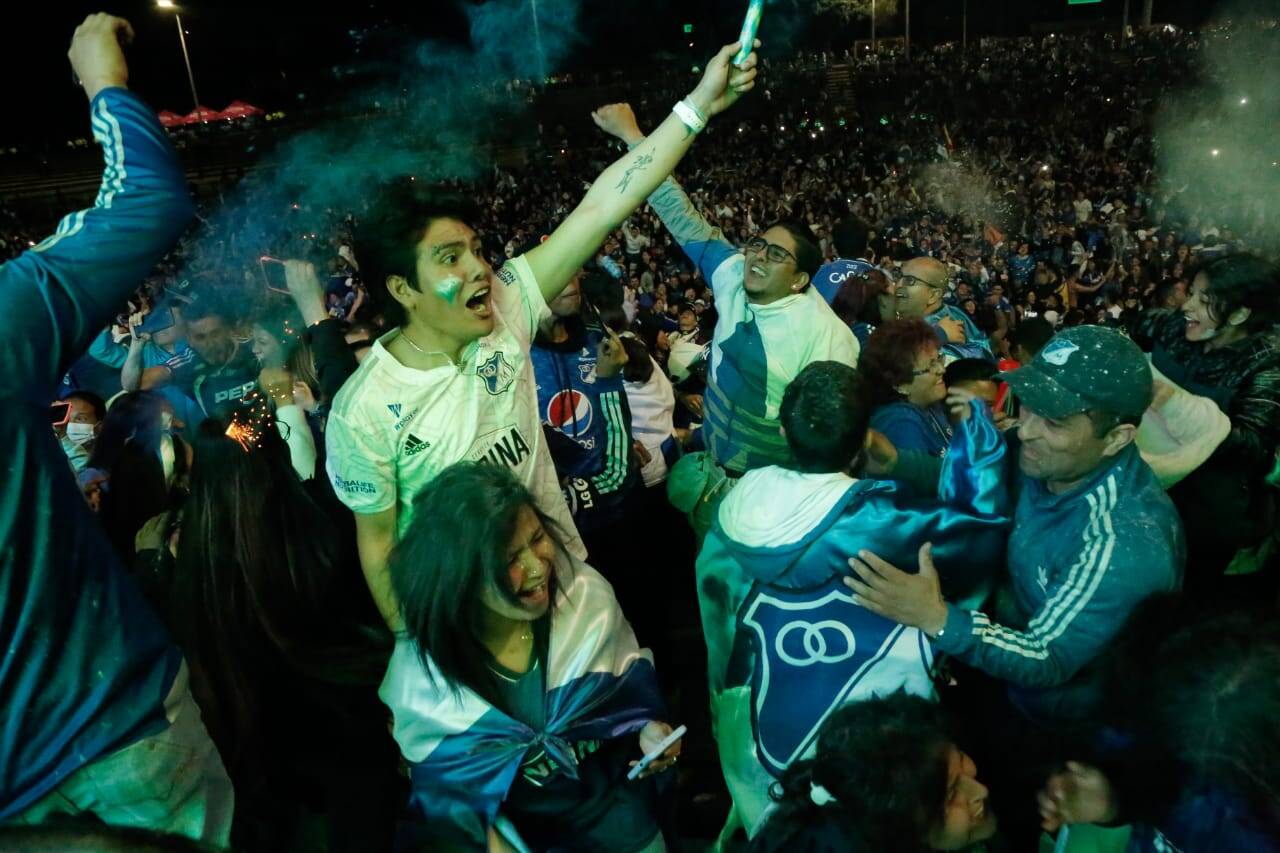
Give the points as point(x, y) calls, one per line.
point(1079, 563)
point(87, 664)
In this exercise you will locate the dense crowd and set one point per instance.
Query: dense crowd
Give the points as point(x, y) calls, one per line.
point(891, 443)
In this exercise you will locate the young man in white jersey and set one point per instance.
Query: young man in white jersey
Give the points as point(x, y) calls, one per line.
point(454, 381)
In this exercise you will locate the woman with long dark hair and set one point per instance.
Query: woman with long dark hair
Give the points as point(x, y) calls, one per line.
point(265, 596)
point(517, 686)
point(145, 464)
point(1224, 345)
point(886, 775)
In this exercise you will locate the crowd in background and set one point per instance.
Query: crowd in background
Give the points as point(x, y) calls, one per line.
point(196, 426)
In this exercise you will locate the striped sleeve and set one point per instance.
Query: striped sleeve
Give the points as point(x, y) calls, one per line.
point(617, 451)
point(705, 244)
point(1076, 622)
point(64, 291)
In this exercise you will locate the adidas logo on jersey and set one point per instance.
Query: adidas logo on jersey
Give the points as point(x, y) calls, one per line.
point(414, 445)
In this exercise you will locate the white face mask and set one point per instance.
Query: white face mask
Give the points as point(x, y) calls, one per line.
point(79, 433)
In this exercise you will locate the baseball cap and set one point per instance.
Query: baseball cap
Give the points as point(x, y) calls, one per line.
point(1082, 368)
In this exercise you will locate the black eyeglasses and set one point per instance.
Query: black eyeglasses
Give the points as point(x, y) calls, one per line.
point(772, 251)
point(904, 280)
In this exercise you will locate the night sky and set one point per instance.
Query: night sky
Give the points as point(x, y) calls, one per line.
point(269, 52)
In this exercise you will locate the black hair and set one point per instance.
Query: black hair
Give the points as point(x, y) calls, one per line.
point(602, 291)
point(1199, 692)
point(206, 304)
point(808, 256)
point(454, 548)
point(263, 581)
point(639, 366)
point(88, 397)
point(825, 413)
point(387, 237)
point(1244, 281)
point(1031, 334)
point(134, 419)
point(885, 762)
point(850, 237)
point(968, 370)
point(128, 448)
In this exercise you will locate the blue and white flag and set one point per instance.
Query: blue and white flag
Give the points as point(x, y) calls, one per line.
point(465, 753)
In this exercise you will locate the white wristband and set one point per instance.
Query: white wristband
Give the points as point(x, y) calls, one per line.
point(689, 114)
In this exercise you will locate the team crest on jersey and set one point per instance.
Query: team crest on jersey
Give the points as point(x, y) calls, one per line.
point(569, 411)
point(807, 663)
point(587, 372)
point(497, 373)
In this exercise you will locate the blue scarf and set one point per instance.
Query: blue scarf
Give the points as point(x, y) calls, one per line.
point(465, 753)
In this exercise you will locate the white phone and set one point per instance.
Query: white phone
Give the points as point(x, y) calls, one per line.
point(644, 763)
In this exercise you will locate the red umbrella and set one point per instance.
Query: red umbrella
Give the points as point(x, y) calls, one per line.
point(202, 114)
point(240, 109)
point(168, 118)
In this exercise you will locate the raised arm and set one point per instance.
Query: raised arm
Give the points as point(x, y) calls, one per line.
point(704, 243)
point(59, 294)
point(623, 186)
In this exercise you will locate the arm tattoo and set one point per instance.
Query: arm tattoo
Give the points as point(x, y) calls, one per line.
point(641, 162)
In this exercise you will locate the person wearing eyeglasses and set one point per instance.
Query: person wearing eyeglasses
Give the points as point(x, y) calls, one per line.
point(903, 366)
point(919, 289)
point(771, 323)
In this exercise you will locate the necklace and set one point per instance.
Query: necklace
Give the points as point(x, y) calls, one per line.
point(408, 340)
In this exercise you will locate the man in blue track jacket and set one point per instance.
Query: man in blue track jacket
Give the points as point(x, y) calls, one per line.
point(1094, 535)
point(95, 713)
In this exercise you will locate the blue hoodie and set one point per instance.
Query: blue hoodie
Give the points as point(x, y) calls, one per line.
point(780, 547)
point(87, 663)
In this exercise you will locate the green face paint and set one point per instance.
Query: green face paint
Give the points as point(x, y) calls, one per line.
point(448, 289)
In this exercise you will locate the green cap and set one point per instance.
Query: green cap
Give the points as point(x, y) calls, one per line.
point(1082, 368)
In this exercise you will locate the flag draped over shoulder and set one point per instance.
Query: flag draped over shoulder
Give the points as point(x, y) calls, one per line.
point(465, 753)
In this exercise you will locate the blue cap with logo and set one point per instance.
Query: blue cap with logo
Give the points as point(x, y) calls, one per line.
point(1083, 368)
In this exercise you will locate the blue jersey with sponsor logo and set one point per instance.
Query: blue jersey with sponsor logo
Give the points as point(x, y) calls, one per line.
point(588, 426)
point(215, 388)
point(829, 277)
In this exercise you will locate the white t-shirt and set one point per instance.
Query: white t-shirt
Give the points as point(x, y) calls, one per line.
point(393, 428)
point(652, 404)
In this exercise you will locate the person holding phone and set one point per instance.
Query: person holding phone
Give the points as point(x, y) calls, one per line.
point(520, 696)
point(96, 716)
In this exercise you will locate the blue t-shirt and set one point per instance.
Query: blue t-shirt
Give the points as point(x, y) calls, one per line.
point(912, 427)
point(829, 277)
